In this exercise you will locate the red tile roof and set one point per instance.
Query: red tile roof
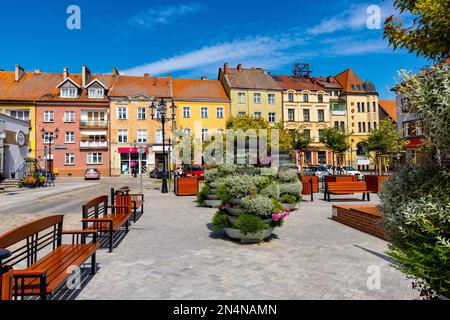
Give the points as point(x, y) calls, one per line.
point(254, 78)
point(390, 107)
point(329, 82)
point(348, 78)
point(127, 86)
point(289, 82)
point(199, 90)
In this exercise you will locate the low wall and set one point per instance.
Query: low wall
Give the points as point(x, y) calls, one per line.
point(362, 217)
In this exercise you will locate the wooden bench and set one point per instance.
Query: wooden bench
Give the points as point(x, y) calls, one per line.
point(96, 216)
point(6, 277)
point(47, 262)
point(137, 205)
point(340, 188)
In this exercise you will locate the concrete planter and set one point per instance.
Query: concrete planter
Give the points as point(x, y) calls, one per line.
point(212, 191)
point(235, 202)
point(235, 211)
point(290, 206)
point(213, 203)
point(212, 197)
point(249, 238)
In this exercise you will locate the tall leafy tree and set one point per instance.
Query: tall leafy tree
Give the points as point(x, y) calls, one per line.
point(300, 143)
point(422, 26)
point(337, 142)
point(383, 141)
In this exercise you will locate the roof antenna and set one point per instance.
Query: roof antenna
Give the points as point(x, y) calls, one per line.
point(302, 70)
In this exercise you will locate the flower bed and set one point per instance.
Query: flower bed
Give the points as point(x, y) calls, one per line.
point(252, 205)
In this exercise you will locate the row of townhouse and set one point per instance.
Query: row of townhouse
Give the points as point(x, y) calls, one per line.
point(103, 119)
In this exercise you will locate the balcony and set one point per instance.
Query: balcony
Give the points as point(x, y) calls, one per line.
point(93, 144)
point(338, 109)
point(94, 124)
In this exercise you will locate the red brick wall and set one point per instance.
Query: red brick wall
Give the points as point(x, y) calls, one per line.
point(365, 222)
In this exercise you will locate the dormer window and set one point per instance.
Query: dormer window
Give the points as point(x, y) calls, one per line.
point(69, 92)
point(96, 93)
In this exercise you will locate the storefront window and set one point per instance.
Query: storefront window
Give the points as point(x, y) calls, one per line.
point(129, 160)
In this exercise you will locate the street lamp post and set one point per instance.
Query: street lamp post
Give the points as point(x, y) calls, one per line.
point(159, 113)
point(51, 136)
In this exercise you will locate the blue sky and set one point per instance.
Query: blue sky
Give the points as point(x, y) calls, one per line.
point(193, 38)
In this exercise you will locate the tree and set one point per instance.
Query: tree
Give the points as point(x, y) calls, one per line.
point(336, 141)
point(427, 34)
point(300, 143)
point(383, 141)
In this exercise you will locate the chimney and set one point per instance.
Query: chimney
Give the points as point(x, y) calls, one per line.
point(146, 75)
point(239, 67)
point(115, 72)
point(37, 71)
point(203, 78)
point(225, 69)
point(65, 73)
point(85, 76)
point(18, 73)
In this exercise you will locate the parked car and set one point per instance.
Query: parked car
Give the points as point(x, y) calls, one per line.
point(156, 173)
point(194, 171)
point(345, 170)
point(318, 171)
point(92, 174)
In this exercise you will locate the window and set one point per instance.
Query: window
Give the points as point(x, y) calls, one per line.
point(307, 133)
point(305, 97)
point(141, 115)
point(353, 87)
point(374, 106)
point(271, 98)
point(96, 93)
point(306, 115)
point(69, 159)
point(363, 108)
point(159, 136)
point(122, 136)
point(69, 93)
point(359, 106)
point(20, 114)
point(242, 97)
point(374, 125)
point(360, 87)
point(359, 127)
point(122, 113)
point(256, 115)
point(320, 97)
point(291, 115)
point(69, 137)
point(290, 97)
point(204, 134)
point(336, 125)
point(320, 134)
point(186, 112)
point(342, 126)
point(242, 113)
point(69, 116)
point(272, 117)
point(204, 112)
point(369, 127)
point(257, 98)
point(142, 136)
point(95, 158)
point(219, 113)
point(321, 115)
point(48, 137)
point(49, 116)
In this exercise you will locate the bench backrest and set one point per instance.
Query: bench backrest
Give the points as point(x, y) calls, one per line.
point(346, 186)
point(96, 208)
point(26, 241)
point(125, 200)
point(341, 178)
point(114, 193)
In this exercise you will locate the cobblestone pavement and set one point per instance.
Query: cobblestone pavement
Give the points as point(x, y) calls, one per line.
point(171, 253)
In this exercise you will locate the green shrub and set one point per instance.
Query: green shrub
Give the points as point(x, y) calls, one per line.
point(250, 224)
point(269, 172)
point(294, 188)
point(289, 198)
point(277, 206)
point(220, 221)
point(201, 196)
point(236, 187)
point(258, 205)
point(261, 182)
point(287, 176)
point(216, 183)
point(227, 169)
point(272, 190)
point(211, 174)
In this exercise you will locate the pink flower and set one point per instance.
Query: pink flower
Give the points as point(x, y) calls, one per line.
point(276, 216)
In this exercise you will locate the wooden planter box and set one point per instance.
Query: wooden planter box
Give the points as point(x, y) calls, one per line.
point(186, 186)
point(306, 184)
point(374, 183)
point(341, 178)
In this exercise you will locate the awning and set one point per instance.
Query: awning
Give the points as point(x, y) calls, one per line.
point(93, 133)
point(415, 143)
point(131, 150)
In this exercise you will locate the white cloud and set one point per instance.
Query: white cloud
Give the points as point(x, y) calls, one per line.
point(163, 15)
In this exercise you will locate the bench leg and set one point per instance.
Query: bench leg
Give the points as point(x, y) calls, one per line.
point(329, 196)
point(134, 213)
point(43, 287)
point(127, 223)
point(110, 240)
point(364, 197)
point(368, 196)
point(93, 264)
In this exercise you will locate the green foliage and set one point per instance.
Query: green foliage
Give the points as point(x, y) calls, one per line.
point(277, 206)
point(272, 190)
point(289, 198)
point(258, 205)
point(288, 176)
point(427, 34)
point(294, 188)
point(386, 139)
point(335, 140)
point(211, 174)
point(220, 221)
point(300, 141)
point(216, 183)
point(429, 95)
point(250, 224)
point(227, 169)
point(201, 196)
point(236, 187)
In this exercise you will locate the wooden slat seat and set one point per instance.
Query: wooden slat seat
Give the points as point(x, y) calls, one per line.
point(44, 275)
point(96, 216)
point(343, 188)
